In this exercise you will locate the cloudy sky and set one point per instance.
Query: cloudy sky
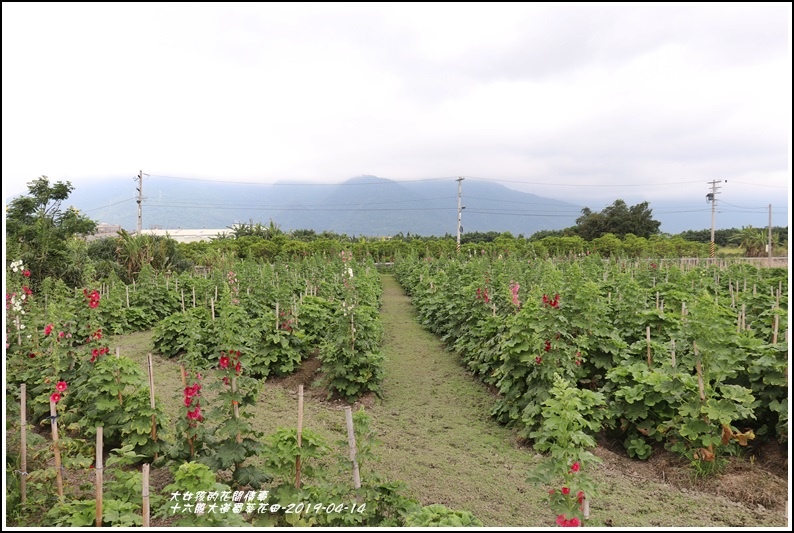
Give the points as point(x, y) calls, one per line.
point(580, 102)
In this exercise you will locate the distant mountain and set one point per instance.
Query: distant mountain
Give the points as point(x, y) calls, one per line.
point(366, 206)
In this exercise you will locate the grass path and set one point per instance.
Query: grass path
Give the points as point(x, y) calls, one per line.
point(436, 435)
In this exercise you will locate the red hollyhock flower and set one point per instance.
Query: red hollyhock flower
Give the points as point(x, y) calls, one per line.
point(48, 329)
point(561, 521)
point(237, 367)
point(548, 346)
point(575, 467)
point(224, 362)
point(580, 496)
point(573, 522)
point(61, 386)
point(26, 273)
point(55, 397)
point(566, 491)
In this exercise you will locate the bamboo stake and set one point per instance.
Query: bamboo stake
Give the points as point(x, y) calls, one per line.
point(99, 475)
point(774, 330)
point(151, 399)
point(351, 441)
point(183, 300)
point(657, 299)
point(216, 292)
point(733, 299)
point(648, 343)
point(145, 494)
point(183, 373)
point(56, 450)
point(276, 315)
point(194, 296)
point(23, 444)
point(127, 290)
point(212, 304)
point(300, 437)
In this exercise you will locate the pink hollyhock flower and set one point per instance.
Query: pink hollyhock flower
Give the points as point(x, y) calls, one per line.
point(55, 397)
point(61, 386)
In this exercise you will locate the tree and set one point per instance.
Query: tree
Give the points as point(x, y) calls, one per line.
point(752, 240)
point(39, 230)
point(619, 220)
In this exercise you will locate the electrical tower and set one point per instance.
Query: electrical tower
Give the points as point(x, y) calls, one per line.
point(712, 197)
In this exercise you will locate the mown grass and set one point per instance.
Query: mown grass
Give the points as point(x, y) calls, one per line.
point(436, 436)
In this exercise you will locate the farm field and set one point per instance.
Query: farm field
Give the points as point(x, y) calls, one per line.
point(434, 359)
point(436, 436)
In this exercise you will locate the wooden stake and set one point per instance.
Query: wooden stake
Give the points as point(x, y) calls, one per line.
point(648, 343)
point(699, 369)
point(23, 444)
point(212, 304)
point(183, 300)
point(744, 317)
point(194, 296)
point(56, 450)
point(774, 330)
point(733, 299)
point(127, 289)
point(672, 354)
point(145, 494)
point(151, 399)
point(236, 407)
point(118, 374)
point(99, 476)
point(300, 437)
point(351, 441)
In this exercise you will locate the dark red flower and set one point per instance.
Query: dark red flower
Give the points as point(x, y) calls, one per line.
point(26, 273)
point(566, 491)
point(224, 362)
point(48, 329)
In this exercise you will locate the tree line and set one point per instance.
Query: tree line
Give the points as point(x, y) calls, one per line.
point(48, 237)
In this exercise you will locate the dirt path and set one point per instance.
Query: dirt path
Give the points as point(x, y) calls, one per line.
point(437, 436)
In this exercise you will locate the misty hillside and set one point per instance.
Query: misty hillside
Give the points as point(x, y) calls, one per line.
point(367, 205)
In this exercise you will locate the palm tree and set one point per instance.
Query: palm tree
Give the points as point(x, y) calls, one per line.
point(752, 240)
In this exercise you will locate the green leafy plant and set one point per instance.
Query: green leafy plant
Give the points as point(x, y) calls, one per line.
point(437, 515)
point(570, 415)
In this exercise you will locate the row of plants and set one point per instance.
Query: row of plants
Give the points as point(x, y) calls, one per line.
point(686, 358)
point(58, 348)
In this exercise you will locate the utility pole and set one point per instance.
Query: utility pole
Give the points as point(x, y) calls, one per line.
point(460, 192)
point(712, 197)
point(770, 235)
point(140, 201)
